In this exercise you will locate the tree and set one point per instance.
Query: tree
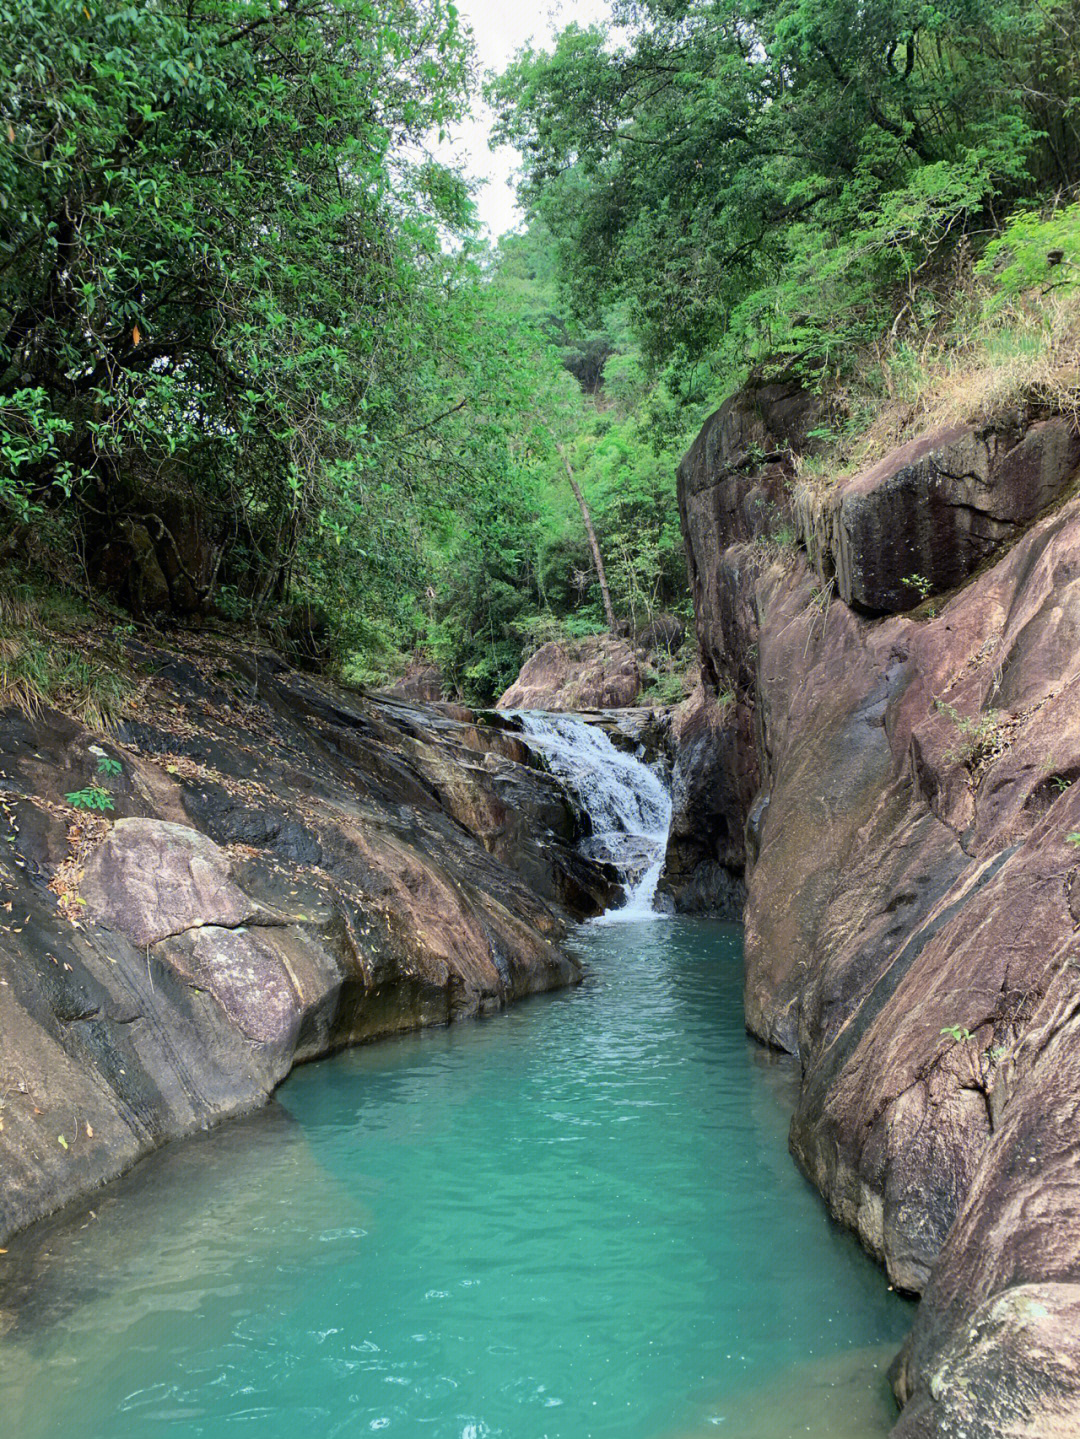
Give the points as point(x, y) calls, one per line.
point(586, 520)
point(754, 176)
point(217, 257)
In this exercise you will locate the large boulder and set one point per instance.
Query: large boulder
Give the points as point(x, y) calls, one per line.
point(600, 672)
point(422, 682)
point(663, 634)
point(923, 519)
point(150, 879)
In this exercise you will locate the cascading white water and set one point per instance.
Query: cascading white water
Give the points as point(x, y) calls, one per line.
point(628, 805)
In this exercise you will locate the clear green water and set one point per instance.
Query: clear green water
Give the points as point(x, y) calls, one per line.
point(577, 1220)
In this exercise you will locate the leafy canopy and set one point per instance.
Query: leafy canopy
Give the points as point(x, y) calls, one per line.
point(216, 235)
point(758, 176)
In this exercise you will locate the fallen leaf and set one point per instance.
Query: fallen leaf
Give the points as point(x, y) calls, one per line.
point(89, 1131)
point(61, 1141)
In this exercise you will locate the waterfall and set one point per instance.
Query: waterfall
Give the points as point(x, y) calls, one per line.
point(628, 805)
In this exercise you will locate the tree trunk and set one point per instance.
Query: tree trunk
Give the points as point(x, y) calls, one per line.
point(594, 546)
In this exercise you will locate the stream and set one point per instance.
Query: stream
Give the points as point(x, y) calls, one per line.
point(575, 1220)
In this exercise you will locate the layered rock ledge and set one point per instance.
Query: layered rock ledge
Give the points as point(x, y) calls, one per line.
point(288, 868)
point(903, 792)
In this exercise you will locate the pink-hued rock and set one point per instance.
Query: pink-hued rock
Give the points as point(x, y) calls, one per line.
point(246, 977)
point(423, 683)
point(150, 879)
point(600, 672)
point(913, 890)
point(282, 878)
point(932, 512)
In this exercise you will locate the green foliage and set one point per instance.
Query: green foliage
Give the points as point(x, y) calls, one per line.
point(108, 766)
point(233, 279)
point(920, 584)
point(220, 259)
point(1034, 249)
point(958, 1033)
point(94, 797)
point(54, 650)
point(38, 669)
point(757, 179)
point(506, 562)
point(977, 737)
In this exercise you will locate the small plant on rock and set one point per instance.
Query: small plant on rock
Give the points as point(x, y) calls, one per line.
point(958, 1033)
point(93, 797)
point(978, 738)
point(920, 584)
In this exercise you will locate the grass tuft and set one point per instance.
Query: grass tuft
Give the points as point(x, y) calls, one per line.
point(984, 358)
point(55, 653)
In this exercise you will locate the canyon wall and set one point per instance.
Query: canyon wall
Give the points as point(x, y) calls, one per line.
point(256, 868)
point(892, 696)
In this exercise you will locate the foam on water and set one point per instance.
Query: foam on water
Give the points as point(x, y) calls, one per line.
point(628, 804)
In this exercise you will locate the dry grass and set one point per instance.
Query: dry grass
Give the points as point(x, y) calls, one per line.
point(978, 368)
point(53, 653)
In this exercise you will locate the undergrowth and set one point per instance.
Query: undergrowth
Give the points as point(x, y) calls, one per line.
point(984, 339)
point(55, 652)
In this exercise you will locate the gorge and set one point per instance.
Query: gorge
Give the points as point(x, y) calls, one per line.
point(295, 869)
point(894, 779)
point(550, 1222)
point(504, 737)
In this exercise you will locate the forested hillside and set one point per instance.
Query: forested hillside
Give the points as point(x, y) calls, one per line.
point(257, 365)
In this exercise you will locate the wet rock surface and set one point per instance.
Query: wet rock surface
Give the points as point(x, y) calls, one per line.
point(905, 791)
point(288, 868)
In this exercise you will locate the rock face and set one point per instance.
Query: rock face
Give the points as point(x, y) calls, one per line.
point(706, 856)
point(905, 787)
point(665, 634)
point(600, 672)
point(927, 516)
point(288, 868)
point(149, 879)
point(424, 683)
point(732, 487)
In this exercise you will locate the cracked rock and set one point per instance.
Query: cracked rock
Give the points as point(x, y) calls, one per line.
point(151, 879)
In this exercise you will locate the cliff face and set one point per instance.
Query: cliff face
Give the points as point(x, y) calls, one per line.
point(288, 868)
point(904, 786)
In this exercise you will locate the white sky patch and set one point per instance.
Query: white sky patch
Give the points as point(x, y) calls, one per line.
point(501, 27)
